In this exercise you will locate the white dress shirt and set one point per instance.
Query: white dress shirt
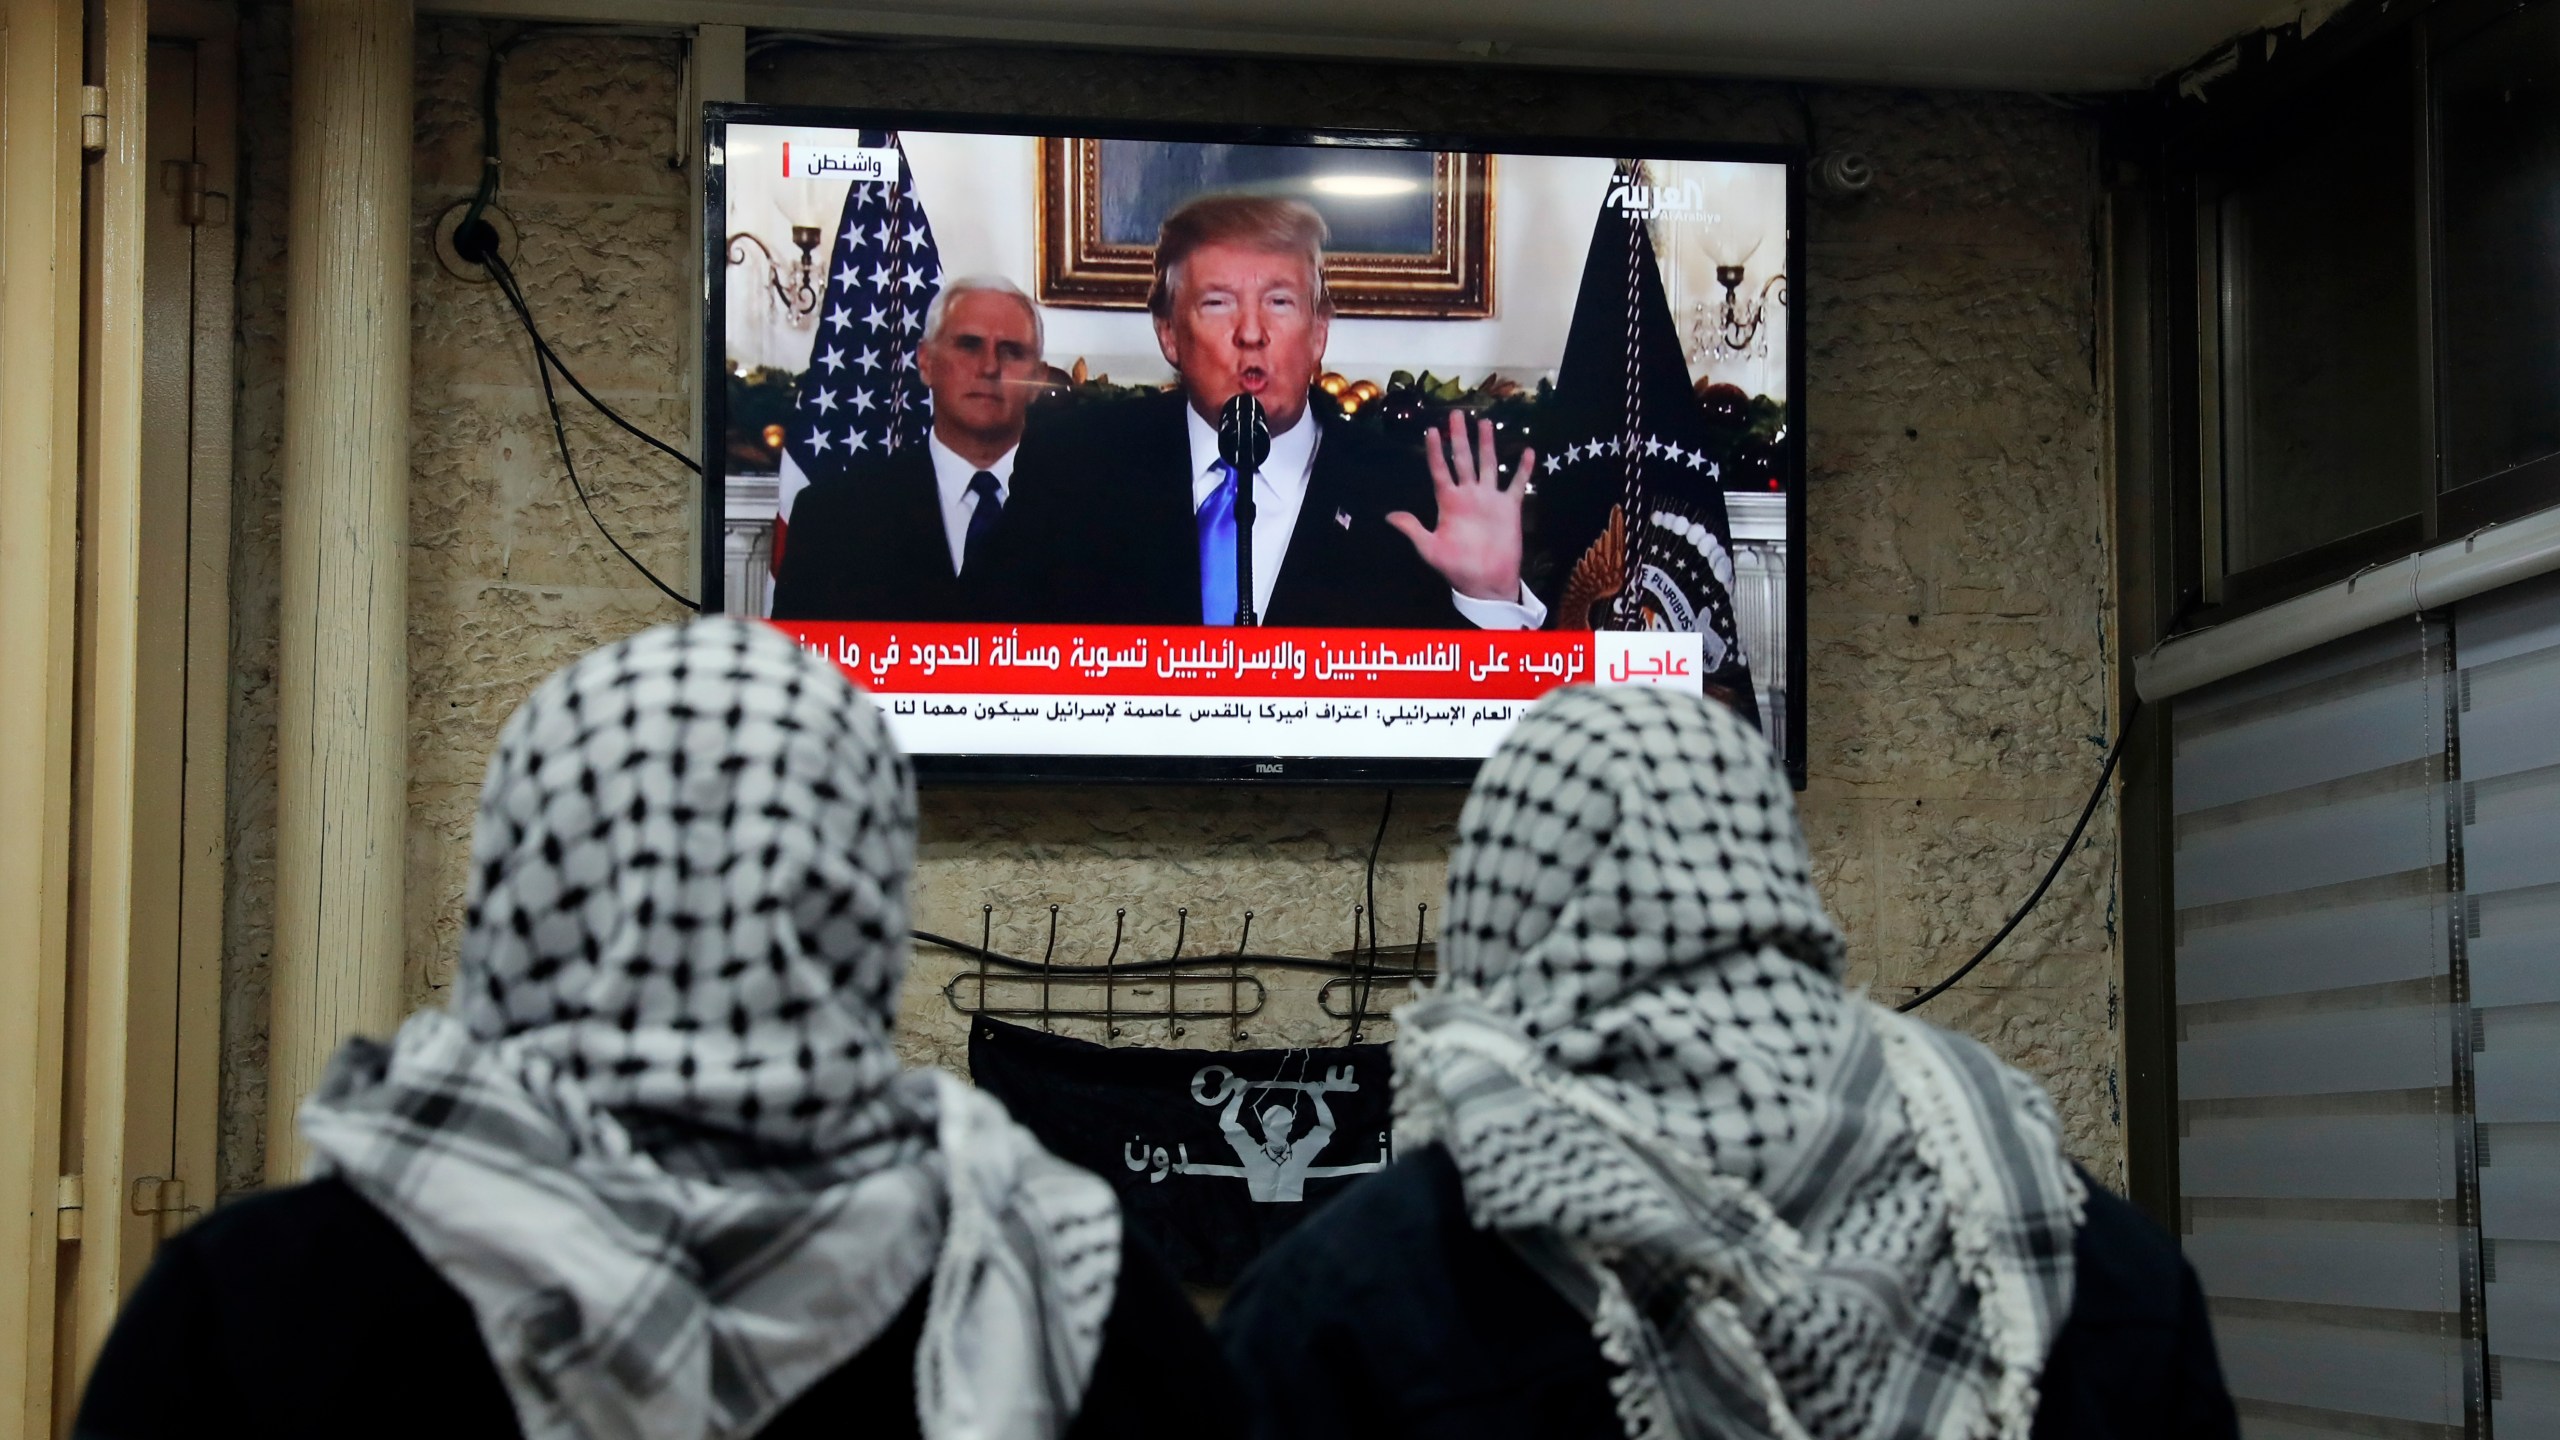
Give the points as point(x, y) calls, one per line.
point(951, 477)
point(1280, 491)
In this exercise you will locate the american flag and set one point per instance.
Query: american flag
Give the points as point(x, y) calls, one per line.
point(860, 396)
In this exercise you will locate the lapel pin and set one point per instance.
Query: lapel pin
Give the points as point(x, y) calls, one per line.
point(1342, 518)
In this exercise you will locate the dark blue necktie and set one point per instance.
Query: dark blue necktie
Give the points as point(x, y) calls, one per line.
point(1216, 521)
point(982, 520)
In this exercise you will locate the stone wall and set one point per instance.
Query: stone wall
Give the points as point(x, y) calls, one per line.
point(1956, 556)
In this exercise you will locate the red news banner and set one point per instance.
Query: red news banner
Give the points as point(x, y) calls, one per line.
point(1202, 690)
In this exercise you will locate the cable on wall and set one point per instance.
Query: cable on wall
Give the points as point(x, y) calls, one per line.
point(501, 49)
point(475, 241)
point(2106, 772)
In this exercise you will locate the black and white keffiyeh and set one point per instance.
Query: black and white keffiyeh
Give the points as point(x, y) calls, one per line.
point(659, 1139)
point(1788, 1212)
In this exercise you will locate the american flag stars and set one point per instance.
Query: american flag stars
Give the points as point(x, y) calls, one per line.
point(1654, 446)
point(860, 395)
point(882, 275)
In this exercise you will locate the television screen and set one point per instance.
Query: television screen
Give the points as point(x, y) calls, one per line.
point(1110, 451)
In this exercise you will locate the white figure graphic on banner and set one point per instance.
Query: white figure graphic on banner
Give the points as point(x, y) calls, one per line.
point(1275, 1168)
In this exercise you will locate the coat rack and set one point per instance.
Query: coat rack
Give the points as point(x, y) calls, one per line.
point(1227, 988)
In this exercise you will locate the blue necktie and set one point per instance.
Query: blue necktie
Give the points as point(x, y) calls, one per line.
point(982, 519)
point(1216, 520)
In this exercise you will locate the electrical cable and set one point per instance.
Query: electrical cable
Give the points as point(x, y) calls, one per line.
point(515, 296)
point(499, 50)
point(475, 240)
point(2115, 752)
point(544, 362)
point(1362, 968)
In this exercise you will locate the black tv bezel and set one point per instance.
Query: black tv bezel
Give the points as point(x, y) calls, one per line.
point(717, 116)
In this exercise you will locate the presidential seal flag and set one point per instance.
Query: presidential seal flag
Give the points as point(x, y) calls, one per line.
point(860, 396)
point(1215, 1154)
point(1635, 516)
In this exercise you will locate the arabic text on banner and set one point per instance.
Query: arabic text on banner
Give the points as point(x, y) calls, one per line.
point(1215, 1153)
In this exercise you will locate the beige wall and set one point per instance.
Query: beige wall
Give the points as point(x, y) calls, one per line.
point(1956, 557)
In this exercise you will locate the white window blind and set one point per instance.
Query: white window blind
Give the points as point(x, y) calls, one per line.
point(2508, 729)
point(2326, 1178)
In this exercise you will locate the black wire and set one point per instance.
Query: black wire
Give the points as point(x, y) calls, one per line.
point(544, 361)
point(499, 50)
point(488, 190)
point(515, 295)
point(2115, 752)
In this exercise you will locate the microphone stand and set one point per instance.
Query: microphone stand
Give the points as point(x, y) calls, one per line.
point(1244, 438)
point(1244, 537)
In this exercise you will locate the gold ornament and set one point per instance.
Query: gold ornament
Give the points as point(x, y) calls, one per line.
point(1597, 578)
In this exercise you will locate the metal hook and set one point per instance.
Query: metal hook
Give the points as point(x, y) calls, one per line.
point(984, 979)
point(1046, 1023)
point(1242, 936)
point(1359, 1000)
point(1173, 978)
point(986, 938)
point(1111, 988)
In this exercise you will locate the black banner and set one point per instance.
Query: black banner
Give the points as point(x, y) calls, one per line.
point(1215, 1153)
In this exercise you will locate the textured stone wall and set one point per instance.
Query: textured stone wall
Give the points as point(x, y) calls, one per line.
point(1956, 552)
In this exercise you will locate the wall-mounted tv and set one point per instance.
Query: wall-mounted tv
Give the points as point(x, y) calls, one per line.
point(1531, 415)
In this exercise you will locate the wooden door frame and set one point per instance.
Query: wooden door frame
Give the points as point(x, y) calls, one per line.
point(204, 801)
point(40, 341)
point(73, 160)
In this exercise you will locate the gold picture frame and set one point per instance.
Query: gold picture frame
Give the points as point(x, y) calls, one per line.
point(1081, 269)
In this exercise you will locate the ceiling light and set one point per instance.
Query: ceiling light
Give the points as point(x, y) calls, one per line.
point(1363, 187)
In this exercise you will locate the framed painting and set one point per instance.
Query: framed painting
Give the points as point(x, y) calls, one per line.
point(1412, 230)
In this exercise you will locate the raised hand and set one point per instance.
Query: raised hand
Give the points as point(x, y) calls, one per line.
point(1477, 545)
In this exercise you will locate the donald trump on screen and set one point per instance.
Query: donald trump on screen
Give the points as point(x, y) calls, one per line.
point(1133, 520)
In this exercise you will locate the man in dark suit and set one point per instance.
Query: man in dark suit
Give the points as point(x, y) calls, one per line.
point(906, 536)
point(1134, 521)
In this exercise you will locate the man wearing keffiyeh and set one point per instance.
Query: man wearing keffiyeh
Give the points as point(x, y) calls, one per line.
point(1703, 1189)
point(658, 1157)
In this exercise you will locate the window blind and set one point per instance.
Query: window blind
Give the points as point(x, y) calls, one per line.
point(2324, 1045)
point(2508, 713)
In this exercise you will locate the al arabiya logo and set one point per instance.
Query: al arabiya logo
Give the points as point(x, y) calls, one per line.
point(1649, 202)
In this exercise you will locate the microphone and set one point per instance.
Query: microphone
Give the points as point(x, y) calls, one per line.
point(1244, 441)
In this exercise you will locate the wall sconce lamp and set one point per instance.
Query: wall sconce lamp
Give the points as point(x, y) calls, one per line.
point(794, 284)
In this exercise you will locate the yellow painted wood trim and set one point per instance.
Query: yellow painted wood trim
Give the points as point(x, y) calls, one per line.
point(205, 845)
point(342, 721)
point(112, 486)
point(40, 215)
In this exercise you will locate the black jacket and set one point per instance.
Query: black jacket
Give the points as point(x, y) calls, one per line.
point(1107, 536)
point(306, 1313)
point(869, 545)
point(1388, 1314)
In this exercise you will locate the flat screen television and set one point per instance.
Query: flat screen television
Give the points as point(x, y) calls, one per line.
point(1530, 414)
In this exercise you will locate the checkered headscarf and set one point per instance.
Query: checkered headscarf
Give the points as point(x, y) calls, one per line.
point(1788, 1212)
point(659, 1139)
